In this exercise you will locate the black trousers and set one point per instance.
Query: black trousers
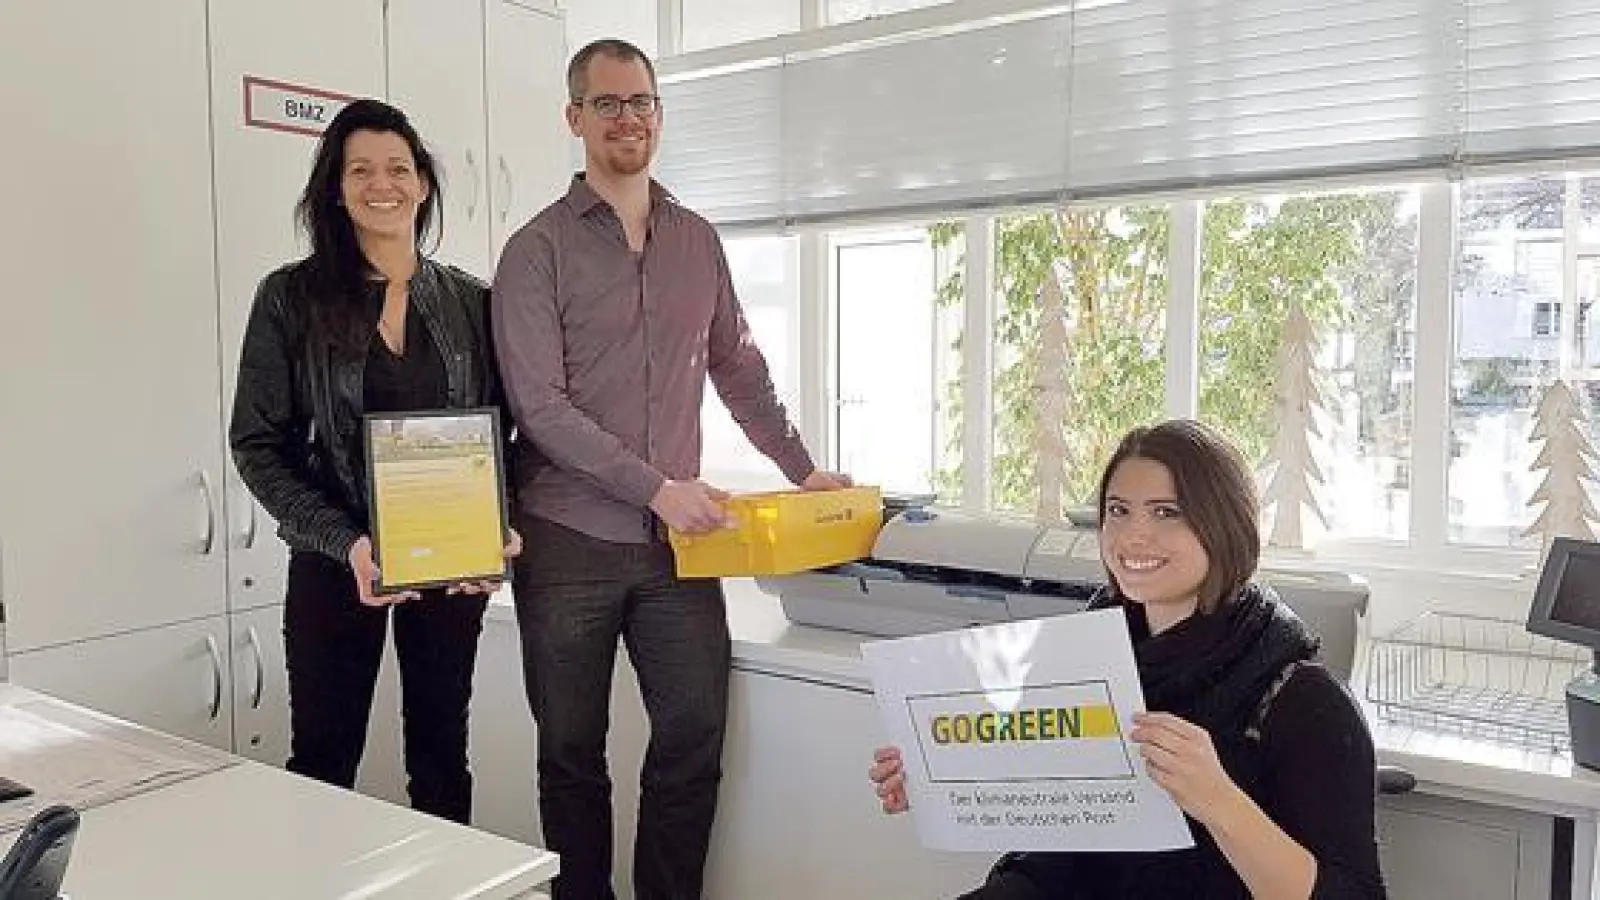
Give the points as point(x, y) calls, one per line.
point(576, 596)
point(333, 645)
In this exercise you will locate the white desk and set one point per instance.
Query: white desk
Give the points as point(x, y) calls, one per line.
point(1541, 786)
point(251, 832)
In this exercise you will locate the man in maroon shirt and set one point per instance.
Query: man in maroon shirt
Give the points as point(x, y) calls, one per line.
point(610, 310)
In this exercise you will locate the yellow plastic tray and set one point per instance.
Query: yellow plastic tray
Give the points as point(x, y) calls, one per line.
point(782, 532)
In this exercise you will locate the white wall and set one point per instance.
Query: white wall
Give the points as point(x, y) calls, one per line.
point(632, 20)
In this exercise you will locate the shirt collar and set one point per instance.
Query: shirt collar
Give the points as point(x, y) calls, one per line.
point(585, 199)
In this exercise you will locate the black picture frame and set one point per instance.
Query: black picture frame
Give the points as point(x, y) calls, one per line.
point(373, 425)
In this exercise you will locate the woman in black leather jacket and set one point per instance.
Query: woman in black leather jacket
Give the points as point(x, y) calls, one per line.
point(366, 323)
point(1262, 748)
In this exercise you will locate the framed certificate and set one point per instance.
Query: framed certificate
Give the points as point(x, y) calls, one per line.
point(435, 488)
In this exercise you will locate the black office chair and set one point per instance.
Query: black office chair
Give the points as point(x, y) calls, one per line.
point(1330, 604)
point(1395, 780)
point(37, 863)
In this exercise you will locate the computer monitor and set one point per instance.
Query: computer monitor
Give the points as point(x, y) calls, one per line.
point(1566, 604)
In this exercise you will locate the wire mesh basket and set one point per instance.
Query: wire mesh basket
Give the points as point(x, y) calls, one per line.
point(1487, 678)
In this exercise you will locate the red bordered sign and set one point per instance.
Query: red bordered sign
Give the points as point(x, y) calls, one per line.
point(280, 106)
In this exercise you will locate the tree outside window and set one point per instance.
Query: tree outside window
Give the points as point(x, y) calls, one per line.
point(1348, 261)
point(1081, 328)
point(1079, 331)
point(1513, 297)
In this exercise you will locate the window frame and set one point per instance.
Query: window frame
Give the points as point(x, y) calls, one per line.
point(837, 242)
point(1426, 547)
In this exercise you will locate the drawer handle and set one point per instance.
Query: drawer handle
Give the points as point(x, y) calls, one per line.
point(472, 170)
point(208, 539)
point(216, 678)
point(505, 174)
point(260, 682)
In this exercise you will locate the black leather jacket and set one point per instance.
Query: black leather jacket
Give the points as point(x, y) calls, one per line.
point(296, 426)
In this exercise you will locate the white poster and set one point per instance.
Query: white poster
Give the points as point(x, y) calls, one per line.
point(1014, 737)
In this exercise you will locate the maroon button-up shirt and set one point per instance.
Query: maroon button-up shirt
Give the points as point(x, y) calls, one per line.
point(605, 354)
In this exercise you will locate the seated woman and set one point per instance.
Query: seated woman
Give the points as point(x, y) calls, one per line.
point(1263, 749)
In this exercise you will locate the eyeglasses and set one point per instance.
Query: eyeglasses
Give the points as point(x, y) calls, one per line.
point(610, 106)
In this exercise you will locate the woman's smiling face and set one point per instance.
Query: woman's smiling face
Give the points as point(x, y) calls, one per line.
point(1147, 544)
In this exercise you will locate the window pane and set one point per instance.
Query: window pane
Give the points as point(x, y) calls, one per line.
point(766, 278)
point(1348, 262)
point(852, 10)
point(1509, 340)
point(1079, 332)
point(1589, 209)
point(717, 23)
point(898, 325)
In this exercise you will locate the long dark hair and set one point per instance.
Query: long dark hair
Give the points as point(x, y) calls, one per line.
point(1215, 492)
point(337, 272)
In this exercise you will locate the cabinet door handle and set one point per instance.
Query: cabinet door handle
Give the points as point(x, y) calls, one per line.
point(208, 539)
point(216, 678)
point(255, 652)
point(250, 523)
point(472, 175)
point(505, 175)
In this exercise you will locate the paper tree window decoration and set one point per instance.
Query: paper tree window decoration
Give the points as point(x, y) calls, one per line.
point(1293, 475)
point(1567, 459)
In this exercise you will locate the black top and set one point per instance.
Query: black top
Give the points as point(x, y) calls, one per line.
point(296, 431)
point(1299, 747)
point(409, 382)
point(1313, 773)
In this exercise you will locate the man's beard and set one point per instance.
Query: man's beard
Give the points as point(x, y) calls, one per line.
point(624, 163)
point(628, 164)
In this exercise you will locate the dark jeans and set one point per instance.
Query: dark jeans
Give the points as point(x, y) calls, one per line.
point(333, 644)
point(575, 596)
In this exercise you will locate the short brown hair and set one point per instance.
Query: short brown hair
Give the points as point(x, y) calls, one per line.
point(617, 49)
point(1215, 492)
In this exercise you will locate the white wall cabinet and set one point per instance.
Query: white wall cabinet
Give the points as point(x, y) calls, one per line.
point(525, 65)
point(259, 175)
point(138, 575)
point(219, 680)
point(111, 466)
point(174, 679)
point(485, 86)
point(435, 59)
point(260, 685)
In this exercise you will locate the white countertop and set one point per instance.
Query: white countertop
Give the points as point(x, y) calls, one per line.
point(252, 832)
point(247, 831)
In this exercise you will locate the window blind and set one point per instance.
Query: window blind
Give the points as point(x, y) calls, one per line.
point(942, 121)
point(1176, 94)
point(1533, 79)
point(722, 143)
point(1108, 98)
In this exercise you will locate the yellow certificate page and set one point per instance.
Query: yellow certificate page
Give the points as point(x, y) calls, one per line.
point(436, 498)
